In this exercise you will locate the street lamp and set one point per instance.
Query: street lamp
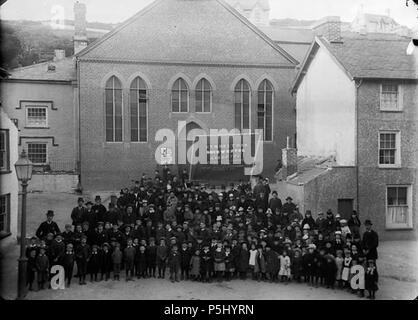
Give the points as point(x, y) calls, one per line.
point(23, 168)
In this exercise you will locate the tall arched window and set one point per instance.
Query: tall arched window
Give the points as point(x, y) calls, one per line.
point(242, 105)
point(114, 127)
point(265, 109)
point(180, 96)
point(203, 96)
point(139, 110)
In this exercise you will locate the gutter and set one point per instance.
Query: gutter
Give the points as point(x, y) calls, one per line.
point(79, 186)
point(357, 83)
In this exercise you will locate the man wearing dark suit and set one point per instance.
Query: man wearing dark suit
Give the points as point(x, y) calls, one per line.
point(48, 226)
point(370, 241)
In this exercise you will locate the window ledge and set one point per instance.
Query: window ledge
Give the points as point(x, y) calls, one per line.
point(5, 172)
point(37, 128)
point(399, 229)
point(389, 167)
point(391, 111)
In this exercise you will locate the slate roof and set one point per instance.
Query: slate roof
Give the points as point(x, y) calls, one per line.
point(298, 35)
point(250, 4)
point(204, 31)
point(310, 168)
point(371, 56)
point(379, 57)
point(65, 70)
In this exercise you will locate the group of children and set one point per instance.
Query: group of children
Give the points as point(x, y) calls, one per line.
point(199, 235)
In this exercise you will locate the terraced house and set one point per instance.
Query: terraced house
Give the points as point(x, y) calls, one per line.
point(357, 124)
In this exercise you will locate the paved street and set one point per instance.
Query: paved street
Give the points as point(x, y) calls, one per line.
point(397, 267)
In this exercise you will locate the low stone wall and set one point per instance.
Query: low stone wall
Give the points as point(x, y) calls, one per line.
point(53, 183)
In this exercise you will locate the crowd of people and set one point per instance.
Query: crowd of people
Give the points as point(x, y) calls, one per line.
point(199, 234)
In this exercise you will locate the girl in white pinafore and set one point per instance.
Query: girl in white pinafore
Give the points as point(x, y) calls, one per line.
point(285, 267)
point(345, 276)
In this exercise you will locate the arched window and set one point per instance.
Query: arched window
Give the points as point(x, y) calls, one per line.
point(265, 109)
point(242, 105)
point(180, 96)
point(203, 96)
point(139, 110)
point(114, 127)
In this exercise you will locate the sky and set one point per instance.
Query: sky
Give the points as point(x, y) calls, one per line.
point(118, 11)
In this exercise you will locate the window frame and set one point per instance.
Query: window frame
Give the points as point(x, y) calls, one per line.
point(266, 82)
point(399, 104)
point(202, 102)
point(6, 151)
point(46, 153)
point(35, 126)
point(7, 213)
point(137, 91)
point(241, 81)
point(398, 145)
point(179, 92)
point(409, 205)
point(114, 108)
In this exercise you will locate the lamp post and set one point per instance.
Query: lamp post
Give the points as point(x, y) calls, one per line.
point(23, 168)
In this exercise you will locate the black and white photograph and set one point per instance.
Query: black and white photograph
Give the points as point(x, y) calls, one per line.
point(189, 150)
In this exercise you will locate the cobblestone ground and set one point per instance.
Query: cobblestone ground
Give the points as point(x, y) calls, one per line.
point(398, 268)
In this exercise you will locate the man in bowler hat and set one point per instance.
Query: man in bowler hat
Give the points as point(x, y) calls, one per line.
point(48, 226)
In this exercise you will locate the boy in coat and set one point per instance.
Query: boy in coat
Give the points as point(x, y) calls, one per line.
point(141, 262)
point(129, 255)
point(371, 279)
point(195, 266)
point(116, 261)
point(162, 254)
point(243, 261)
point(185, 257)
point(68, 263)
point(82, 256)
point(206, 263)
point(31, 269)
point(42, 267)
point(174, 264)
point(151, 254)
point(106, 262)
point(94, 263)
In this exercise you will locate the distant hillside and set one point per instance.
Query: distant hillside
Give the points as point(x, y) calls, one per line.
point(28, 42)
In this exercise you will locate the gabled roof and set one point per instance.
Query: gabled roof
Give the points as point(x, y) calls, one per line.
point(184, 30)
point(288, 34)
point(65, 70)
point(371, 56)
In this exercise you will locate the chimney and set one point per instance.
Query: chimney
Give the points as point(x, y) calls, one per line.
point(329, 27)
point(80, 27)
point(289, 160)
point(59, 54)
